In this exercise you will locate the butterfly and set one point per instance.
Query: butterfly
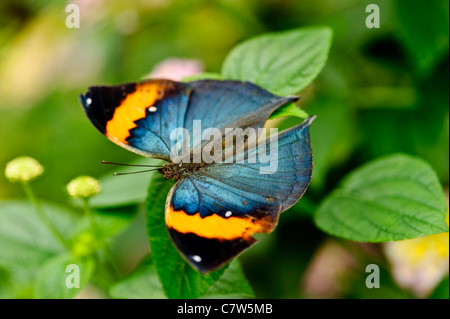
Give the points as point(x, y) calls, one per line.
point(213, 209)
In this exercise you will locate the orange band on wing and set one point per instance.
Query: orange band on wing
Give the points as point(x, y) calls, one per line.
point(215, 226)
point(131, 109)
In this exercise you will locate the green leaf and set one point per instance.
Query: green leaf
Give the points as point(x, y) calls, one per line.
point(289, 110)
point(126, 189)
point(392, 198)
point(5, 283)
point(203, 76)
point(179, 279)
point(18, 283)
point(63, 277)
point(24, 239)
point(232, 284)
point(283, 62)
point(113, 221)
point(143, 283)
point(110, 222)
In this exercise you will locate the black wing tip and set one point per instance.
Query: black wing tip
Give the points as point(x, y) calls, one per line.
point(89, 108)
point(82, 98)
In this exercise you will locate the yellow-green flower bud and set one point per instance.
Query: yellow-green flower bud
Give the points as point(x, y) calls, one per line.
point(23, 169)
point(83, 187)
point(85, 245)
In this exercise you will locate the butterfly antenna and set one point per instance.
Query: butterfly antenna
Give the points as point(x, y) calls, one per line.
point(113, 163)
point(147, 170)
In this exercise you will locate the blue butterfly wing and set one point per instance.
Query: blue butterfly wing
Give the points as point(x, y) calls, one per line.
point(141, 116)
point(291, 175)
point(212, 214)
point(231, 104)
point(138, 116)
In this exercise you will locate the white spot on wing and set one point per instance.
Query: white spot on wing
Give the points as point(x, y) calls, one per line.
point(152, 109)
point(197, 258)
point(88, 101)
point(228, 214)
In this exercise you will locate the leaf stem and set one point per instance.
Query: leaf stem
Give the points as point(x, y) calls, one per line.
point(38, 207)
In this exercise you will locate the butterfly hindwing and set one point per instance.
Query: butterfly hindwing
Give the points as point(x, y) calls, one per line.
point(212, 214)
point(287, 180)
point(211, 224)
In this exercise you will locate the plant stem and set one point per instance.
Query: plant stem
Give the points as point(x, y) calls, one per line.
point(105, 252)
point(38, 207)
point(90, 215)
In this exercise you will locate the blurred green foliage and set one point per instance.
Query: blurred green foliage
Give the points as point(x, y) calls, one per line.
point(382, 91)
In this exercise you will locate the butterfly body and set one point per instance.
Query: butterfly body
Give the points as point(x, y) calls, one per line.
point(213, 209)
point(176, 171)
